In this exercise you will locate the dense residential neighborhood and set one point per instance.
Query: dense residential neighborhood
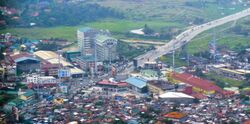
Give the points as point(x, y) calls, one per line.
point(101, 79)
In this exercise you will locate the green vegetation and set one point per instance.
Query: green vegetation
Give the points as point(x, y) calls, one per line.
point(225, 82)
point(168, 59)
point(4, 98)
point(52, 13)
point(182, 11)
point(118, 27)
point(226, 37)
point(128, 51)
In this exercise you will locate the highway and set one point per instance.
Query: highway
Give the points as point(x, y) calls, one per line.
point(184, 38)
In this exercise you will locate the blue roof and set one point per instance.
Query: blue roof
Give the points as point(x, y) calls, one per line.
point(25, 58)
point(84, 29)
point(137, 82)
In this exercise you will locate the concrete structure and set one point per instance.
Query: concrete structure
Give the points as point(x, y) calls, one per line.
point(86, 38)
point(152, 65)
point(70, 56)
point(184, 38)
point(106, 48)
point(159, 87)
point(41, 80)
point(223, 70)
point(85, 62)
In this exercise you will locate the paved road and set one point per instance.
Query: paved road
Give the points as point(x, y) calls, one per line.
point(184, 38)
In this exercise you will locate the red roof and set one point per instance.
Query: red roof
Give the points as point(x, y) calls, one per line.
point(16, 56)
point(175, 115)
point(197, 82)
point(106, 82)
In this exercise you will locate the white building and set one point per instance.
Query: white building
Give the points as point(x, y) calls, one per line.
point(106, 48)
point(36, 79)
point(86, 37)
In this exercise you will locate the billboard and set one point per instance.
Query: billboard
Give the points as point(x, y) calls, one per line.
point(63, 73)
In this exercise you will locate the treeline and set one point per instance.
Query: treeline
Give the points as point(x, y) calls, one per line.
point(240, 30)
point(48, 14)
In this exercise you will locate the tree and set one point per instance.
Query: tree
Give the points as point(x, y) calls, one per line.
point(147, 30)
point(199, 72)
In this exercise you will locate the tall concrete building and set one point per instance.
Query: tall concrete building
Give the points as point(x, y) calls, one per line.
point(105, 48)
point(86, 38)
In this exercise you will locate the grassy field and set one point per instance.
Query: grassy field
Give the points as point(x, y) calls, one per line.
point(168, 59)
point(227, 82)
point(224, 37)
point(118, 27)
point(171, 10)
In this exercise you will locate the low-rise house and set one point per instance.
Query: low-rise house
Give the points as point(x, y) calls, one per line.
point(223, 70)
point(27, 95)
point(176, 116)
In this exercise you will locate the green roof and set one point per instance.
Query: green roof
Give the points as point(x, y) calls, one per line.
point(102, 38)
point(149, 73)
point(28, 93)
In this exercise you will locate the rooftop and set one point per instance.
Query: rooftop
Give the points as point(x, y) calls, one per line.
point(85, 29)
point(103, 38)
point(175, 95)
point(28, 93)
point(76, 71)
point(149, 73)
point(137, 82)
point(164, 85)
point(197, 82)
point(25, 58)
point(175, 115)
point(106, 82)
point(51, 57)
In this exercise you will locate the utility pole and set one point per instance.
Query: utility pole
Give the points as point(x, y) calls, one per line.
point(95, 71)
point(174, 58)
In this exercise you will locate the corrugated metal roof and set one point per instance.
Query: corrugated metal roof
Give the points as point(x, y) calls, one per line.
point(51, 57)
point(25, 58)
point(137, 82)
point(197, 82)
point(76, 71)
point(175, 95)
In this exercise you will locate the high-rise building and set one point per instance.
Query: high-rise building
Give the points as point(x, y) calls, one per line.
point(86, 37)
point(106, 48)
